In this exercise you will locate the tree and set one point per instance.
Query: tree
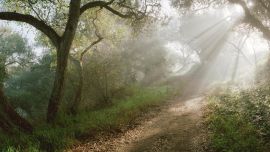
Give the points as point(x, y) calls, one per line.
point(238, 48)
point(147, 58)
point(63, 42)
point(20, 87)
point(79, 64)
point(256, 16)
point(14, 50)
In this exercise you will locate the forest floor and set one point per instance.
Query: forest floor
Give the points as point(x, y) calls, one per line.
point(173, 127)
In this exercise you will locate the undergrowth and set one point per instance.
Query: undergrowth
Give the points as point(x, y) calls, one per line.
point(71, 129)
point(239, 121)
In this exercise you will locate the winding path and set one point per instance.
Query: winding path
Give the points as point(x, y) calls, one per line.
point(176, 128)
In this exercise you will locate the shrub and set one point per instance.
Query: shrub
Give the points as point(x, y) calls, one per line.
point(239, 121)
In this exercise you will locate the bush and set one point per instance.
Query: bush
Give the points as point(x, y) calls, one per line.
point(239, 121)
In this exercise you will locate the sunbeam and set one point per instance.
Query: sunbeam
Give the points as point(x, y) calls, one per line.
point(83, 75)
point(207, 35)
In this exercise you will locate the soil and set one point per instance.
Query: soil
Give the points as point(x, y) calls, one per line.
point(176, 127)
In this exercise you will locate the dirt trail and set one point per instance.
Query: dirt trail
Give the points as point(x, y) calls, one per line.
point(173, 129)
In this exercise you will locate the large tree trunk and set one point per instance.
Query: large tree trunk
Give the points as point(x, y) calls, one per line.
point(62, 59)
point(57, 92)
point(14, 117)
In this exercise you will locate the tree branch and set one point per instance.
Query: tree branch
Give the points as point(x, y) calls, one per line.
point(128, 15)
point(264, 5)
point(103, 4)
point(18, 62)
point(94, 4)
point(40, 25)
point(252, 20)
point(90, 46)
point(99, 37)
point(33, 9)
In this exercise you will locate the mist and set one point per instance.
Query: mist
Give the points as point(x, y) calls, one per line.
point(152, 75)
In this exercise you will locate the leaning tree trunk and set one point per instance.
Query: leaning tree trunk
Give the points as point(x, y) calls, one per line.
point(78, 94)
point(5, 125)
point(79, 64)
point(62, 59)
point(14, 117)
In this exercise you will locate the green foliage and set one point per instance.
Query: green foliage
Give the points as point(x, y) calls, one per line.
point(123, 111)
point(30, 89)
point(54, 13)
point(148, 58)
point(240, 121)
point(17, 142)
point(103, 77)
point(14, 49)
point(87, 123)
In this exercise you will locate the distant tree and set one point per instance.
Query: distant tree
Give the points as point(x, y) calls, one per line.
point(105, 76)
point(20, 87)
point(148, 59)
point(13, 51)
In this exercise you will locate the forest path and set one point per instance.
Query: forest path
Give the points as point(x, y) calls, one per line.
point(176, 128)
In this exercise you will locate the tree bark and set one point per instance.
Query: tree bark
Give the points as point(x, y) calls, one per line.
point(57, 92)
point(78, 94)
point(251, 19)
point(5, 124)
point(62, 59)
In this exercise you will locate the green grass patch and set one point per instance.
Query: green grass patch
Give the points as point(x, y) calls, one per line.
point(69, 129)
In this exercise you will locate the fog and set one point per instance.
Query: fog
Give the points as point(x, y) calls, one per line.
point(213, 36)
point(75, 74)
point(216, 38)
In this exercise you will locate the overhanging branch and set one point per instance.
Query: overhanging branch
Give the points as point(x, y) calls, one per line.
point(40, 25)
point(94, 4)
point(252, 20)
point(99, 38)
point(103, 4)
point(128, 15)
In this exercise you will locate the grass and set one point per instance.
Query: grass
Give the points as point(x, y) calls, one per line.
point(239, 122)
point(70, 129)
